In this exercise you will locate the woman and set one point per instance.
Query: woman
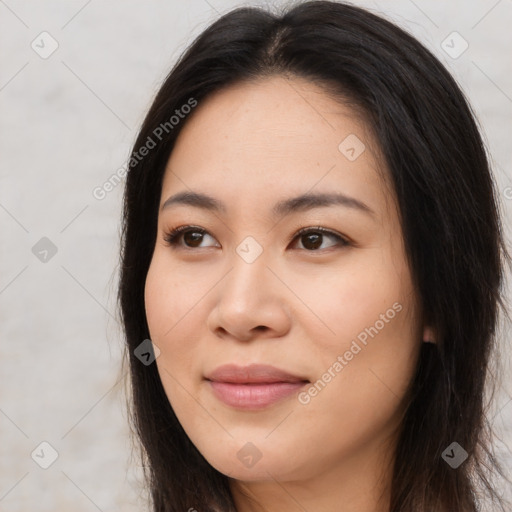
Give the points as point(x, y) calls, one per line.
point(311, 243)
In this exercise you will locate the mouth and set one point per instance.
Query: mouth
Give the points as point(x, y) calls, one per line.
point(252, 374)
point(253, 387)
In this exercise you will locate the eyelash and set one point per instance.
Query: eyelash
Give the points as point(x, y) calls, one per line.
point(171, 237)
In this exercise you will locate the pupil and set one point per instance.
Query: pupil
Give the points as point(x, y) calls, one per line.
point(191, 237)
point(316, 239)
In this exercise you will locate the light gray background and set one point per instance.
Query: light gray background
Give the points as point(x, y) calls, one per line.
point(67, 123)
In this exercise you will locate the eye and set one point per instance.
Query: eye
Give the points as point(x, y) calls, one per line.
point(192, 236)
point(311, 238)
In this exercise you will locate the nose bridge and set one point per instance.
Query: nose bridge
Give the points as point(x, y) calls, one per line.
point(249, 273)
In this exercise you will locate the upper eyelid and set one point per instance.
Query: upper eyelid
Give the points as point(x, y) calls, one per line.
point(324, 231)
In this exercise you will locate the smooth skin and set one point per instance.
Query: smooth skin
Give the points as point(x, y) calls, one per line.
point(298, 306)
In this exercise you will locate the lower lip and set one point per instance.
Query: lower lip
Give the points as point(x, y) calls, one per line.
point(254, 396)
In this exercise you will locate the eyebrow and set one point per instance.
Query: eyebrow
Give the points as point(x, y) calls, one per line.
point(300, 203)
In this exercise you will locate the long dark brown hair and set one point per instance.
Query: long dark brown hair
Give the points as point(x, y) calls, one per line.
point(450, 222)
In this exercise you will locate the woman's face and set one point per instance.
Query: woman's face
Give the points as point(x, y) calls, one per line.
point(336, 309)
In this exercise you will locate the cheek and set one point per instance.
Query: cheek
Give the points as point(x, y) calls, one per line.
point(170, 309)
point(176, 300)
point(157, 300)
point(364, 370)
point(365, 334)
point(171, 301)
point(344, 301)
point(170, 312)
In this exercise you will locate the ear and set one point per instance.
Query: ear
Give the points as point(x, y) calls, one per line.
point(428, 335)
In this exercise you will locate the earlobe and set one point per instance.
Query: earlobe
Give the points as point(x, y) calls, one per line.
point(428, 335)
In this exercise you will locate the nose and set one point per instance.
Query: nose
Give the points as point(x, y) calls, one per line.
point(250, 302)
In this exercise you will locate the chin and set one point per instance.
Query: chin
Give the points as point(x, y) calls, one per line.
point(266, 468)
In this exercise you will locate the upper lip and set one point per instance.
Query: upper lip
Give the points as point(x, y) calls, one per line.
point(253, 373)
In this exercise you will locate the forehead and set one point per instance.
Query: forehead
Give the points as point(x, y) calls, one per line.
point(271, 138)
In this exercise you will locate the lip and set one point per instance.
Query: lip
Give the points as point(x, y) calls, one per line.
point(252, 374)
point(253, 387)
